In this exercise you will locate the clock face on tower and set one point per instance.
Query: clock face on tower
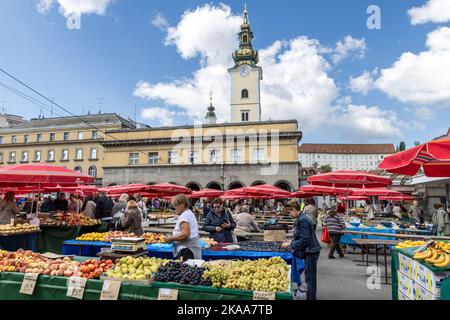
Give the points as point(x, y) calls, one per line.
point(244, 71)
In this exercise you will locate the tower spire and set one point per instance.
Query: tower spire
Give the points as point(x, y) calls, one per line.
point(245, 54)
point(210, 115)
point(245, 14)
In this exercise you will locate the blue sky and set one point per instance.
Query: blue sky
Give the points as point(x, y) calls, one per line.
point(166, 69)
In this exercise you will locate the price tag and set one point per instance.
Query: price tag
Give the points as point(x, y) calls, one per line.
point(75, 287)
point(35, 221)
point(167, 294)
point(29, 283)
point(13, 222)
point(263, 295)
point(110, 290)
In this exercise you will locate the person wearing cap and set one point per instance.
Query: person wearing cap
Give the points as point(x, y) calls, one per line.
point(335, 225)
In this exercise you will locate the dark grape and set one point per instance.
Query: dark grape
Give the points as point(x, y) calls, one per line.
point(262, 246)
point(181, 273)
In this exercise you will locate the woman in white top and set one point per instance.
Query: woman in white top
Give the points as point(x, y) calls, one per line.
point(185, 235)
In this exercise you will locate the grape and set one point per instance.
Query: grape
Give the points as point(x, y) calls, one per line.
point(175, 271)
point(262, 246)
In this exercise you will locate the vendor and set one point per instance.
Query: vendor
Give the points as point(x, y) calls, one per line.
point(61, 203)
point(131, 220)
point(245, 224)
point(8, 208)
point(219, 223)
point(185, 235)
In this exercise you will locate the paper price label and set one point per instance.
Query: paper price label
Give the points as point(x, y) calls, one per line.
point(12, 222)
point(29, 283)
point(167, 294)
point(76, 286)
point(110, 290)
point(263, 295)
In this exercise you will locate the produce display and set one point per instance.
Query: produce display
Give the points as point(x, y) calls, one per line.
point(262, 246)
point(409, 244)
point(437, 254)
point(30, 262)
point(69, 219)
point(210, 242)
point(117, 234)
point(94, 268)
point(8, 229)
point(151, 238)
point(178, 272)
point(103, 236)
point(130, 268)
point(257, 275)
point(161, 215)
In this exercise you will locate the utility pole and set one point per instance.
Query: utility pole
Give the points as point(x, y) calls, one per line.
point(222, 176)
point(3, 107)
point(135, 114)
point(100, 104)
point(51, 108)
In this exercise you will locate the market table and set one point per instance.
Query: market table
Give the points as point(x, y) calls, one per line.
point(55, 288)
point(373, 233)
point(394, 235)
point(15, 242)
point(375, 242)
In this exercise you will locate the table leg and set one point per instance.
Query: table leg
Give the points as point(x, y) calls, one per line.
point(376, 253)
point(367, 255)
point(385, 264)
point(81, 250)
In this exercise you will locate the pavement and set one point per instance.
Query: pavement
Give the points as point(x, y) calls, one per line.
point(342, 279)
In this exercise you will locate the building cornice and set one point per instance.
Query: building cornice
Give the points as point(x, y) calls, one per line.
point(218, 165)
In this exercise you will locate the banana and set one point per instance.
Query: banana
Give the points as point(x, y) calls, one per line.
point(445, 263)
point(440, 259)
point(423, 254)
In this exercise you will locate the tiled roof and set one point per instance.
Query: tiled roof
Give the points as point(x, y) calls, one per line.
point(347, 148)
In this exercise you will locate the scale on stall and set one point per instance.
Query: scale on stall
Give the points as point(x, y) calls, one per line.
point(128, 244)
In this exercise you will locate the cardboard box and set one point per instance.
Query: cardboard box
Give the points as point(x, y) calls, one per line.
point(274, 235)
point(402, 296)
point(424, 294)
point(406, 265)
point(428, 279)
point(406, 285)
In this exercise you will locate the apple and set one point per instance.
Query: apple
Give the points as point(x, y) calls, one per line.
point(68, 273)
point(47, 272)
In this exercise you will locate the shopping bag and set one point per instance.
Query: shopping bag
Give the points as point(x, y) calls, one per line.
point(325, 236)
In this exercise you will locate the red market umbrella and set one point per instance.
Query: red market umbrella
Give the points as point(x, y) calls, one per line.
point(130, 188)
point(433, 157)
point(42, 174)
point(356, 198)
point(374, 192)
point(206, 193)
point(168, 189)
point(264, 190)
point(349, 179)
point(302, 194)
point(403, 197)
point(323, 190)
point(82, 188)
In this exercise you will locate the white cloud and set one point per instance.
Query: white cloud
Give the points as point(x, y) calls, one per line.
point(425, 113)
point(296, 83)
point(162, 115)
point(437, 11)
point(349, 46)
point(44, 6)
point(160, 22)
point(74, 9)
point(362, 84)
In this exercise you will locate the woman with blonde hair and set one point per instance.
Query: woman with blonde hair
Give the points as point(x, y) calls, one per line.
point(131, 220)
point(8, 208)
point(185, 235)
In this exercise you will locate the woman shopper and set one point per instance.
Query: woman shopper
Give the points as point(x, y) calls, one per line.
point(335, 225)
point(245, 224)
point(88, 207)
point(219, 223)
point(131, 220)
point(117, 210)
point(305, 246)
point(185, 235)
point(8, 208)
point(441, 221)
point(74, 205)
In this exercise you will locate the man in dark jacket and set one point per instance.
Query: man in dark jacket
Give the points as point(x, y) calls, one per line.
point(219, 223)
point(104, 207)
point(61, 203)
point(305, 246)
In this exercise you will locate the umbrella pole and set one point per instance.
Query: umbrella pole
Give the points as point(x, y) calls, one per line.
point(346, 203)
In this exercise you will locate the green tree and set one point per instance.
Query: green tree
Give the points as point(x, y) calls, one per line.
point(402, 146)
point(325, 168)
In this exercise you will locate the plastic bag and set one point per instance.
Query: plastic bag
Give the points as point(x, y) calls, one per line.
point(325, 238)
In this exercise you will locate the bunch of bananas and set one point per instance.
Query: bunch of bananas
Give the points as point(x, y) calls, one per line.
point(434, 256)
point(409, 244)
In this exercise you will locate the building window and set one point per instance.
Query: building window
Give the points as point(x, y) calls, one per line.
point(214, 155)
point(78, 169)
point(1, 140)
point(79, 154)
point(66, 136)
point(193, 157)
point(92, 171)
point(173, 157)
point(244, 38)
point(26, 138)
point(51, 155)
point(258, 154)
point(12, 156)
point(80, 135)
point(13, 139)
point(65, 154)
point(25, 156)
point(244, 94)
point(52, 136)
point(236, 155)
point(244, 115)
point(37, 155)
point(1, 157)
point(39, 137)
point(153, 157)
point(95, 134)
point(94, 153)
point(133, 158)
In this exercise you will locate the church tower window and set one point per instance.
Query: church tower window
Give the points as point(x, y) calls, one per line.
point(244, 94)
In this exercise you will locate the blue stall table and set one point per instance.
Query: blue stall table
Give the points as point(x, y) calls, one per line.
point(26, 241)
point(347, 238)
